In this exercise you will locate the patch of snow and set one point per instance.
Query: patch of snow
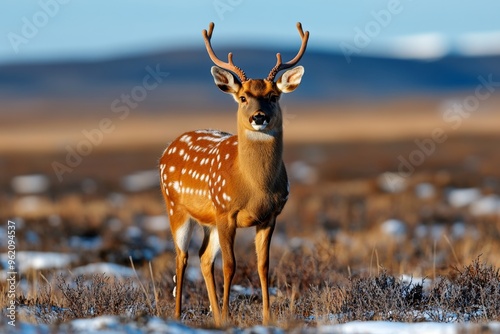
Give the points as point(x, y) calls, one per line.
point(30, 184)
point(28, 260)
point(394, 227)
point(95, 324)
point(391, 182)
point(387, 327)
point(434, 231)
point(117, 200)
point(486, 205)
point(303, 173)
point(463, 196)
point(241, 290)
point(156, 223)
point(133, 232)
point(425, 190)
point(142, 180)
point(458, 230)
point(80, 242)
point(193, 273)
point(107, 268)
point(112, 324)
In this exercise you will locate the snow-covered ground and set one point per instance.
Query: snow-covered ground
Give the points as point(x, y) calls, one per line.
point(112, 324)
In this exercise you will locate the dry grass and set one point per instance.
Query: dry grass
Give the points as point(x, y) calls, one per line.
point(468, 294)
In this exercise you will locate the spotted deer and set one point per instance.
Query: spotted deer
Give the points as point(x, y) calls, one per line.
point(225, 181)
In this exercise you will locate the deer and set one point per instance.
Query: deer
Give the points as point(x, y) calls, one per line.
point(224, 182)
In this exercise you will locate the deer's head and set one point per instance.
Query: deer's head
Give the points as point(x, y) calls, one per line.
point(258, 99)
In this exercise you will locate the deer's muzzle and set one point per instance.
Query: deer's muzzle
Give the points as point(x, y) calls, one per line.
point(259, 120)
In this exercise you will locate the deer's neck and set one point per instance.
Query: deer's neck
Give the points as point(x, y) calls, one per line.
point(260, 156)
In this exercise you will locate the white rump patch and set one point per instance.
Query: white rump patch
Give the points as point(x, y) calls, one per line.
point(183, 235)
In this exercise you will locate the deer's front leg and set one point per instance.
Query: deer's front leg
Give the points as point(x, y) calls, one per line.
point(262, 243)
point(227, 232)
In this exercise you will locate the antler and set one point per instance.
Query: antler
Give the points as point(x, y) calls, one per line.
point(279, 66)
point(229, 65)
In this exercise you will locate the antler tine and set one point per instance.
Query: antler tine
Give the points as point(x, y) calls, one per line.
point(279, 65)
point(229, 65)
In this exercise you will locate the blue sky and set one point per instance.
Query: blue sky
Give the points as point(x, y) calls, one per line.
point(69, 29)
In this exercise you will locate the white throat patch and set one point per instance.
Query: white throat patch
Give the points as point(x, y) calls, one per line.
point(259, 136)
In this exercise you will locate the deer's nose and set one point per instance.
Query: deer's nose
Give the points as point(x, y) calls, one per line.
point(259, 118)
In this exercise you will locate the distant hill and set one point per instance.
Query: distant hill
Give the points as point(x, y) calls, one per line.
point(328, 78)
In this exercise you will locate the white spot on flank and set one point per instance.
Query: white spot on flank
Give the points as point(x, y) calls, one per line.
point(220, 165)
point(171, 169)
point(181, 152)
point(223, 182)
point(227, 156)
point(164, 176)
point(186, 138)
point(174, 149)
point(171, 212)
point(176, 186)
point(195, 159)
point(183, 171)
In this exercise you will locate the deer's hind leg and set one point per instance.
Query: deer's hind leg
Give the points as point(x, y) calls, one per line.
point(182, 228)
point(208, 252)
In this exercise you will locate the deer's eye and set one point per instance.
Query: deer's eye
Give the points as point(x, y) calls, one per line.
point(273, 98)
point(243, 99)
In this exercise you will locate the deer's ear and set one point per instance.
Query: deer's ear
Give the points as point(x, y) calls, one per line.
point(225, 80)
point(290, 79)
